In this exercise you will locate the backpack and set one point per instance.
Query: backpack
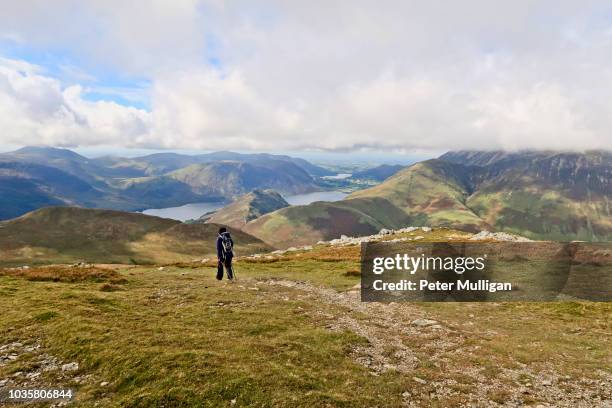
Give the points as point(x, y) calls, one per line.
point(226, 243)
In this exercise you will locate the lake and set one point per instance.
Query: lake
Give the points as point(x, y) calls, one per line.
point(303, 199)
point(196, 210)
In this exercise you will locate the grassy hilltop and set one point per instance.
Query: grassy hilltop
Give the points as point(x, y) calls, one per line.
point(291, 332)
point(70, 234)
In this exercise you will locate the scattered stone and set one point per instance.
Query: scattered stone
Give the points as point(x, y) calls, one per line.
point(233, 402)
point(419, 380)
point(3, 383)
point(70, 367)
point(423, 322)
point(547, 383)
point(103, 383)
point(498, 236)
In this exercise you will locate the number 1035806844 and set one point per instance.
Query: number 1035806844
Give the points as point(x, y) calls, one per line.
point(29, 394)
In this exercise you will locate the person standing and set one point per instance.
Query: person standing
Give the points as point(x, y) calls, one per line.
point(225, 253)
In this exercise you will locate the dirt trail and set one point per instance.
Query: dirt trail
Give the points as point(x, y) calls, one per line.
point(402, 338)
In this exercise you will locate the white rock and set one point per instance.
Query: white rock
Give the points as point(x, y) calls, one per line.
point(426, 229)
point(103, 383)
point(70, 367)
point(498, 236)
point(423, 322)
point(419, 380)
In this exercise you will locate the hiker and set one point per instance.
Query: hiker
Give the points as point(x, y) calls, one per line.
point(225, 253)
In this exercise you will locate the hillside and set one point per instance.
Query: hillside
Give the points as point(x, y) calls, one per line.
point(171, 335)
point(69, 234)
point(542, 195)
point(247, 208)
point(379, 173)
point(231, 179)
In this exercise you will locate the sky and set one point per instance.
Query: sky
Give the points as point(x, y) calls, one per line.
point(400, 77)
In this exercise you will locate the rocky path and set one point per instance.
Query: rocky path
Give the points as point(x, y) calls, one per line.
point(401, 337)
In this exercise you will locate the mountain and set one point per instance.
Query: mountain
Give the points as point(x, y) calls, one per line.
point(379, 173)
point(247, 208)
point(70, 234)
point(161, 163)
point(35, 177)
point(542, 195)
point(232, 178)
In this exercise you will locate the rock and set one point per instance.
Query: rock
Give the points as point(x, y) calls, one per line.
point(233, 402)
point(70, 367)
point(161, 268)
point(406, 394)
point(12, 357)
point(103, 383)
point(426, 229)
point(3, 383)
point(547, 383)
point(418, 237)
point(385, 231)
point(423, 322)
point(419, 380)
point(498, 236)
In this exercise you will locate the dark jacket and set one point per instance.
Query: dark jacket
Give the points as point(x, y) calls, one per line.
point(220, 252)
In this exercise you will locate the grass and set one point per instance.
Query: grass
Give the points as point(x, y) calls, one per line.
point(170, 339)
point(177, 337)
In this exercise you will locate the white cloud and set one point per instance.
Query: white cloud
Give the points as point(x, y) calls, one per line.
point(35, 109)
point(333, 75)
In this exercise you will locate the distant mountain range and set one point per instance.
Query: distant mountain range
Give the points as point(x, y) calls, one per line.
point(543, 195)
point(35, 177)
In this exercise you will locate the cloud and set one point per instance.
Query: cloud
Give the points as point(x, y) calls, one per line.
point(306, 75)
point(35, 109)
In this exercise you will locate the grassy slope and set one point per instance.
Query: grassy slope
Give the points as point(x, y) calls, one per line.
point(65, 234)
point(179, 338)
point(301, 225)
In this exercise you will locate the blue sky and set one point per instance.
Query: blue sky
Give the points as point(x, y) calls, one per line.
point(389, 78)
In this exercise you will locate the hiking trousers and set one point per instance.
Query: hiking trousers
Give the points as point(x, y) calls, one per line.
point(227, 263)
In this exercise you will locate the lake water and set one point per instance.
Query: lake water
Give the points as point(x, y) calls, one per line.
point(303, 199)
point(196, 210)
point(185, 212)
point(340, 176)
